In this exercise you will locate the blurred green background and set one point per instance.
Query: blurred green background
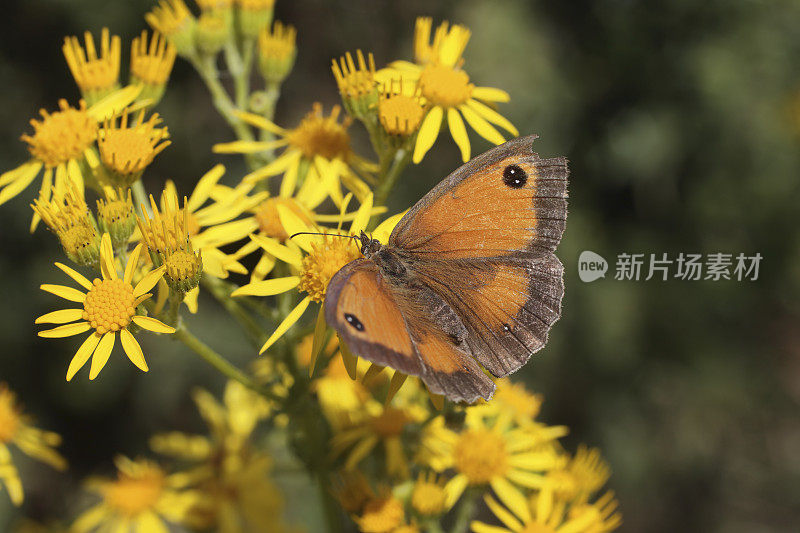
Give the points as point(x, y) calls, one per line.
point(680, 121)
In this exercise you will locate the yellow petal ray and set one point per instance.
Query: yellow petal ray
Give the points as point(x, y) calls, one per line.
point(268, 287)
point(45, 193)
point(66, 330)
point(284, 253)
point(320, 327)
point(149, 281)
point(544, 504)
point(289, 181)
point(191, 300)
point(114, 102)
point(360, 451)
point(14, 174)
point(512, 497)
point(481, 126)
point(533, 460)
point(362, 216)
point(385, 228)
point(455, 488)
point(294, 224)
point(78, 277)
point(293, 316)
point(502, 514)
point(133, 261)
point(347, 217)
point(151, 324)
point(107, 267)
point(349, 359)
point(490, 94)
point(68, 293)
point(493, 116)
point(149, 522)
point(102, 353)
point(526, 479)
point(480, 527)
point(20, 179)
point(62, 316)
point(260, 122)
point(245, 147)
point(133, 349)
point(263, 267)
point(428, 132)
point(225, 233)
point(459, 132)
point(75, 176)
point(287, 159)
point(204, 186)
point(82, 355)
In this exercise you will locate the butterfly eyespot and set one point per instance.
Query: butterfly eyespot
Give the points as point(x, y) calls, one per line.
point(514, 176)
point(353, 321)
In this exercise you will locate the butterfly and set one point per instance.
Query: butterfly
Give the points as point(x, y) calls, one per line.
point(467, 280)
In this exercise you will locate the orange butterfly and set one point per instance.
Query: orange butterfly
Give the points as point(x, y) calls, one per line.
point(467, 279)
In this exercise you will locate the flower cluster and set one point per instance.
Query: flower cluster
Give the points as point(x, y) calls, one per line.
point(390, 456)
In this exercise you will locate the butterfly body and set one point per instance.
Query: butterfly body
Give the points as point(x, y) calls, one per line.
point(467, 280)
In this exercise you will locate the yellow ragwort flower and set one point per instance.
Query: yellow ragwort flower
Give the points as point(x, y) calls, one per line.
point(126, 150)
point(357, 84)
point(400, 111)
point(584, 474)
point(151, 65)
point(16, 429)
point(172, 19)
point(383, 514)
point(143, 498)
point(429, 497)
point(317, 153)
point(254, 15)
point(277, 51)
point(116, 215)
point(108, 306)
point(97, 74)
point(69, 218)
point(447, 89)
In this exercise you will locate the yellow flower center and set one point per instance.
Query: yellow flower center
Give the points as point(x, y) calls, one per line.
point(169, 17)
point(323, 262)
point(428, 498)
point(355, 81)
point(109, 305)
point(278, 45)
point(77, 238)
point(9, 415)
point(445, 86)
point(381, 515)
point(153, 64)
point(127, 151)
point(323, 136)
point(535, 527)
point(389, 423)
point(182, 265)
point(522, 403)
point(480, 455)
point(167, 230)
point(113, 211)
point(270, 223)
point(61, 136)
point(400, 114)
point(562, 482)
point(133, 495)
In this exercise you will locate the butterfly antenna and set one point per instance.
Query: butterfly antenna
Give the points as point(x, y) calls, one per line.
point(354, 237)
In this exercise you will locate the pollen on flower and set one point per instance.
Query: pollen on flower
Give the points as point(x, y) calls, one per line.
point(321, 135)
point(428, 497)
point(63, 135)
point(269, 222)
point(95, 74)
point(381, 515)
point(127, 151)
point(399, 114)
point(323, 262)
point(480, 455)
point(135, 491)
point(10, 415)
point(109, 305)
point(445, 86)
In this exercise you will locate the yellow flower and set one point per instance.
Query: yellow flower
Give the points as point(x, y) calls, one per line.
point(546, 514)
point(16, 428)
point(69, 218)
point(116, 215)
point(127, 151)
point(514, 399)
point(62, 143)
point(382, 514)
point(400, 112)
point(108, 306)
point(584, 475)
point(490, 452)
point(324, 256)
point(447, 89)
point(429, 497)
point(277, 51)
point(142, 498)
point(172, 19)
point(357, 84)
point(97, 75)
point(340, 397)
point(254, 15)
point(317, 154)
point(151, 65)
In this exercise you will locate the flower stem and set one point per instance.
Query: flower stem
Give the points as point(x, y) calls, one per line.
point(465, 512)
point(387, 182)
point(329, 505)
point(222, 294)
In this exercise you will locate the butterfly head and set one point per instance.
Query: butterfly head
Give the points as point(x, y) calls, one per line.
point(369, 246)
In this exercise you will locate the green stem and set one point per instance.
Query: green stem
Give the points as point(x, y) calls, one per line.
point(139, 198)
point(330, 506)
point(254, 332)
point(465, 512)
point(389, 180)
point(219, 362)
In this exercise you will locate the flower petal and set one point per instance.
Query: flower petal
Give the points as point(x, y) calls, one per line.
point(362, 216)
point(68, 293)
point(459, 132)
point(190, 299)
point(246, 147)
point(133, 261)
point(490, 94)
point(84, 282)
point(493, 116)
point(149, 281)
point(260, 122)
point(386, 227)
point(204, 186)
point(294, 224)
point(132, 349)
point(480, 527)
point(455, 488)
point(19, 179)
point(62, 316)
point(83, 354)
point(114, 103)
point(151, 324)
point(428, 132)
point(512, 498)
point(289, 181)
point(293, 316)
point(66, 330)
point(268, 287)
point(102, 353)
point(481, 126)
point(281, 164)
point(107, 267)
point(75, 176)
point(284, 253)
